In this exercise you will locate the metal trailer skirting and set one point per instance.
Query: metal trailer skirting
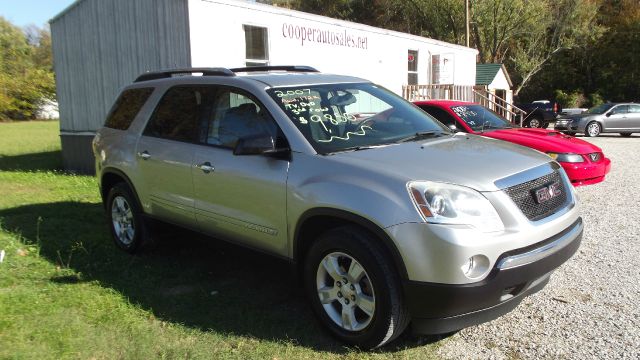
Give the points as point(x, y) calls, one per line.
point(77, 155)
point(99, 46)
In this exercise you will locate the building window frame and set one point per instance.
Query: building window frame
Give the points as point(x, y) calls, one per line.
point(262, 58)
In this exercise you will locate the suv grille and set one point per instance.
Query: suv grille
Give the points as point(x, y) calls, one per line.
point(524, 195)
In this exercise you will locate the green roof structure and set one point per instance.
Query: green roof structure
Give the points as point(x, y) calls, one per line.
point(485, 73)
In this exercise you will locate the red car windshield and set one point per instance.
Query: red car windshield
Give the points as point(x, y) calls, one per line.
point(480, 118)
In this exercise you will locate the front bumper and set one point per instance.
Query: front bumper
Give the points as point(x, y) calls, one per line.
point(441, 308)
point(587, 173)
point(562, 124)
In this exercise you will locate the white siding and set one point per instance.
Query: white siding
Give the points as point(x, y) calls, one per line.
point(217, 39)
point(100, 46)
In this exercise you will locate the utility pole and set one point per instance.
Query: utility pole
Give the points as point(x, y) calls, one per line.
point(466, 21)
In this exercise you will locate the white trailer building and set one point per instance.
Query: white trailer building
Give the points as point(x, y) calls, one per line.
point(101, 45)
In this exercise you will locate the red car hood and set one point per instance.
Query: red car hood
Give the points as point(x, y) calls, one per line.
point(543, 140)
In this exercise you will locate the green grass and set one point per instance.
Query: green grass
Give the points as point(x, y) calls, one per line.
point(67, 292)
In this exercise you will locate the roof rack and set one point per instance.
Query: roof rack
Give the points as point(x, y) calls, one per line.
point(169, 73)
point(163, 74)
point(290, 68)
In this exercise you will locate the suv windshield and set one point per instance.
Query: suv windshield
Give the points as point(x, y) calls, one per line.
point(339, 117)
point(600, 109)
point(479, 118)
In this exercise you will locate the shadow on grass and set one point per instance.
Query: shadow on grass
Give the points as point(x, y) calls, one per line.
point(51, 160)
point(189, 279)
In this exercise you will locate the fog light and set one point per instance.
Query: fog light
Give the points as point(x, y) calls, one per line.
point(475, 267)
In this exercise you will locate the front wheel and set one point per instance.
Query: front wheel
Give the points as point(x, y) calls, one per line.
point(593, 129)
point(354, 289)
point(125, 219)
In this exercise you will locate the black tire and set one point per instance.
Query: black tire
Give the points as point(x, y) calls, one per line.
point(625, 134)
point(390, 316)
point(535, 122)
point(592, 129)
point(136, 240)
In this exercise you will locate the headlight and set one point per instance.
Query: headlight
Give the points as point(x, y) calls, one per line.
point(568, 158)
point(441, 203)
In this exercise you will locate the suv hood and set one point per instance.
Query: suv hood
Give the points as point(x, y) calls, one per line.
point(544, 140)
point(462, 159)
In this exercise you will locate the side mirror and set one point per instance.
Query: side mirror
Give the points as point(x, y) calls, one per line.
point(608, 114)
point(258, 145)
point(453, 128)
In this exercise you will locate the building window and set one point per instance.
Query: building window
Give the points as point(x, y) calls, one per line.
point(412, 66)
point(256, 45)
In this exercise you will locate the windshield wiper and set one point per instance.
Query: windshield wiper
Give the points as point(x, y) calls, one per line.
point(354, 148)
point(421, 135)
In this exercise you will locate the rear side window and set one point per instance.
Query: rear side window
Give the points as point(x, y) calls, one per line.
point(127, 107)
point(177, 116)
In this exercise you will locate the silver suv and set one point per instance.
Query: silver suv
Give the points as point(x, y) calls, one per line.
point(389, 217)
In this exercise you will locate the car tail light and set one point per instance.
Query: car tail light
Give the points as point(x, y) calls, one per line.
point(555, 107)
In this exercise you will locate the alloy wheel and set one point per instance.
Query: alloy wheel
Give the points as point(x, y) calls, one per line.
point(122, 220)
point(593, 129)
point(534, 123)
point(345, 291)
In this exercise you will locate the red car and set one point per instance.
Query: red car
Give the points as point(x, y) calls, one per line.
point(584, 162)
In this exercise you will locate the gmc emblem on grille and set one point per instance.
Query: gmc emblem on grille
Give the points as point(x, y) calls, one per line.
point(548, 192)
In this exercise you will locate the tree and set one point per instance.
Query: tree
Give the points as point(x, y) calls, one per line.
point(26, 71)
point(568, 25)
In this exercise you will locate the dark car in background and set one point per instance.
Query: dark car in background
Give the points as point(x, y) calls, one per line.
point(622, 118)
point(540, 113)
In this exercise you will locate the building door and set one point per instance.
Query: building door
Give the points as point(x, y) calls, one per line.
point(500, 99)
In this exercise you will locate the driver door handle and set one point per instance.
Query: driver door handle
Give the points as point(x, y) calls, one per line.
point(144, 155)
point(205, 167)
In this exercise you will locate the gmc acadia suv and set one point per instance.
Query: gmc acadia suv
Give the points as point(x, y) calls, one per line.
point(390, 217)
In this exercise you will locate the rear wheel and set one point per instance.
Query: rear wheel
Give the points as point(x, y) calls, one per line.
point(125, 219)
point(534, 122)
point(625, 134)
point(593, 129)
point(354, 289)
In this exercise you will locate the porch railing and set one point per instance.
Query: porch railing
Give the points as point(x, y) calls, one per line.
point(478, 94)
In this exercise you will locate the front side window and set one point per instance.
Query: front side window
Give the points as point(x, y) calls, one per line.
point(339, 117)
point(620, 109)
point(235, 115)
point(256, 45)
point(600, 109)
point(127, 107)
point(479, 118)
point(440, 114)
point(177, 115)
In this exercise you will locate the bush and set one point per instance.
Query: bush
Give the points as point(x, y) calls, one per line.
point(574, 99)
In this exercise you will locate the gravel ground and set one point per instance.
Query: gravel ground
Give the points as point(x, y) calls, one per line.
point(591, 307)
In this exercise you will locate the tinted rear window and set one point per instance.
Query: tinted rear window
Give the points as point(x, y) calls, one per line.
point(177, 116)
point(127, 107)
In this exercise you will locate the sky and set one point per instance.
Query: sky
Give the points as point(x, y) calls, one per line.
point(31, 12)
